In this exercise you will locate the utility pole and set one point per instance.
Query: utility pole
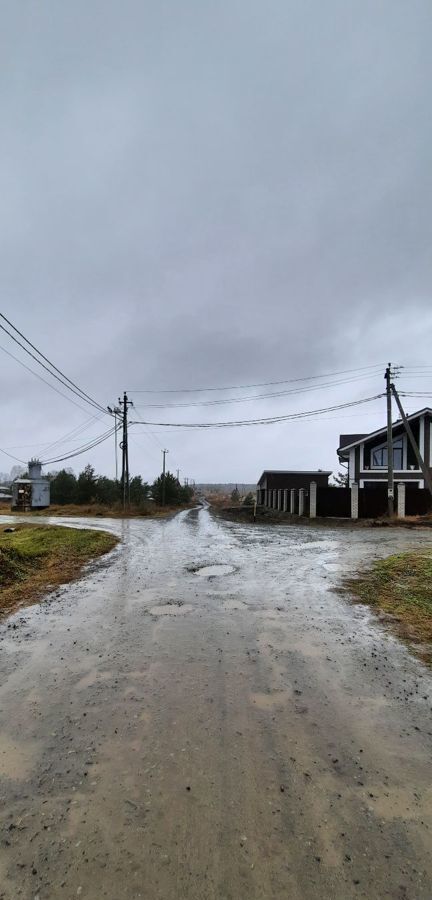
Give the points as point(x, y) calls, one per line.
point(178, 475)
point(164, 453)
point(390, 478)
point(408, 429)
point(125, 451)
point(116, 412)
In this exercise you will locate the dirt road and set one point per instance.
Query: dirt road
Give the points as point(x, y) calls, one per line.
point(170, 731)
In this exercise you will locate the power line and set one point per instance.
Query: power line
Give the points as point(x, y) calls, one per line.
point(73, 433)
point(83, 449)
point(64, 380)
point(266, 396)
point(239, 387)
point(12, 457)
point(271, 420)
point(36, 374)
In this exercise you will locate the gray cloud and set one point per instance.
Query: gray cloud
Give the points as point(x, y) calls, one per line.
point(203, 194)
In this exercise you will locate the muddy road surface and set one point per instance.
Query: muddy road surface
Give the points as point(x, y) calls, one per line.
point(203, 716)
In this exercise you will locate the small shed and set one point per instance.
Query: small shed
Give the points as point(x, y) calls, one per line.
point(32, 492)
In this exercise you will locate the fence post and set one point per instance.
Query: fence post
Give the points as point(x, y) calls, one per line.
point(401, 489)
point(292, 501)
point(313, 500)
point(301, 501)
point(285, 500)
point(354, 500)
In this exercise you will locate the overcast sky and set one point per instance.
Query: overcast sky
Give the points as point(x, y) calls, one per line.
point(205, 194)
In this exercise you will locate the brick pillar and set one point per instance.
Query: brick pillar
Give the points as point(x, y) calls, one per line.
point(313, 500)
point(301, 501)
point(292, 501)
point(285, 500)
point(401, 490)
point(354, 500)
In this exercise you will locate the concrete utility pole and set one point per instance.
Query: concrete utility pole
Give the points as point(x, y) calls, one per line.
point(164, 453)
point(408, 429)
point(116, 412)
point(390, 478)
point(125, 451)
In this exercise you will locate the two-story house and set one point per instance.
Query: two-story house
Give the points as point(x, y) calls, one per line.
point(366, 454)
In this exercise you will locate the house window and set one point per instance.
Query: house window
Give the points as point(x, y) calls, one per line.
point(379, 455)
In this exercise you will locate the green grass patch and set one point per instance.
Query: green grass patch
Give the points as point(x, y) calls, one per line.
point(401, 587)
point(35, 558)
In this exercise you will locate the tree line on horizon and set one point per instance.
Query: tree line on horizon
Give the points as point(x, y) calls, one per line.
point(89, 487)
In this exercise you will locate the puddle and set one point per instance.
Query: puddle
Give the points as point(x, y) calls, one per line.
point(234, 605)
point(213, 571)
point(171, 609)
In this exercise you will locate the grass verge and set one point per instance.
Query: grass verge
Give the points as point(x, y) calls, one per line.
point(98, 510)
point(36, 558)
point(400, 587)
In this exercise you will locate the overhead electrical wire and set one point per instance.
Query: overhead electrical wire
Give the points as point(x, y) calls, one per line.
point(84, 448)
point(238, 387)
point(64, 379)
point(267, 396)
point(36, 374)
point(11, 456)
point(74, 433)
point(270, 420)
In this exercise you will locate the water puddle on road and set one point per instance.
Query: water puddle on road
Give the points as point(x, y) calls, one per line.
point(213, 571)
point(234, 605)
point(171, 609)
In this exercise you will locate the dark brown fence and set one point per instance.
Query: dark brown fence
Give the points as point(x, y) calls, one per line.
point(334, 502)
point(373, 501)
point(418, 501)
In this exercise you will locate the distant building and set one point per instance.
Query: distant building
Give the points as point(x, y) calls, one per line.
point(273, 481)
point(32, 492)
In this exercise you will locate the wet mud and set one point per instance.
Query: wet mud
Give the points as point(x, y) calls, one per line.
point(240, 733)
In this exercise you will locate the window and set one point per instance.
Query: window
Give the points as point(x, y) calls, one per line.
point(379, 455)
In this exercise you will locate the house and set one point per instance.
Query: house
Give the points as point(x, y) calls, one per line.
point(275, 484)
point(366, 454)
point(32, 492)
point(5, 494)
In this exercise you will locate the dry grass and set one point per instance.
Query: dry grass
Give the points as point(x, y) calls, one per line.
point(36, 558)
point(401, 588)
point(99, 510)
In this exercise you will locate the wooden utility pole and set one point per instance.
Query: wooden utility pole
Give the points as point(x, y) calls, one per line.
point(164, 453)
point(408, 429)
point(390, 478)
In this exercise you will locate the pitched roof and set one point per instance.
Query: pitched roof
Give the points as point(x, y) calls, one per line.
point(358, 439)
point(293, 472)
point(346, 439)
